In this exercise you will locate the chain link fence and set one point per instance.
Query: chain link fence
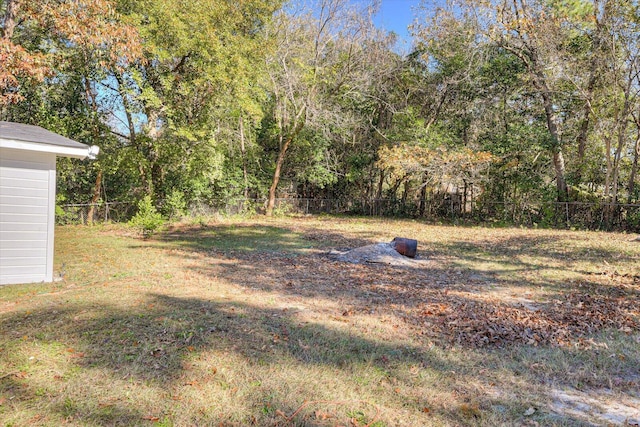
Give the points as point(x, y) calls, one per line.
point(86, 213)
point(594, 216)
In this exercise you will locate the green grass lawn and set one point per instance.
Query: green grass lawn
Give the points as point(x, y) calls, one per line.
point(249, 322)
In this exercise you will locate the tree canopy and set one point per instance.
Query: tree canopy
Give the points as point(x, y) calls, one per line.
point(499, 103)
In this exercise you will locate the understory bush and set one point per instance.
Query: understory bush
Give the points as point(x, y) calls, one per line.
point(147, 220)
point(175, 206)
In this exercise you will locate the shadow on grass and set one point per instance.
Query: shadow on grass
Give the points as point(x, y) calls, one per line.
point(544, 249)
point(153, 343)
point(257, 238)
point(521, 254)
point(548, 259)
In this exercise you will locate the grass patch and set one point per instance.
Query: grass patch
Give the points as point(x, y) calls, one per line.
point(249, 323)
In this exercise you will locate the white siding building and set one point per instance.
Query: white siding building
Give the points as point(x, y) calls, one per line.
point(27, 199)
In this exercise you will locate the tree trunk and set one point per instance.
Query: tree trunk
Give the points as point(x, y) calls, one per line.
point(581, 139)
point(393, 191)
point(561, 183)
point(127, 108)
point(276, 176)
point(380, 185)
point(636, 154)
point(423, 195)
point(607, 176)
point(94, 199)
point(405, 191)
point(157, 176)
point(529, 57)
point(556, 148)
point(298, 125)
point(464, 197)
point(244, 159)
point(594, 71)
point(370, 183)
point(151, 152)
point(91, 101)
point(634, 169)
point(9, 21)
point(621, 131)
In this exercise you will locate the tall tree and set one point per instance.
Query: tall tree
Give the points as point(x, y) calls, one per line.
point(319, 53)
point(199, 61)
point(524, 29)
point(41, 38)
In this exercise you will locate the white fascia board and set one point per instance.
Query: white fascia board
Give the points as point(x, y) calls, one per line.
point(75, 152)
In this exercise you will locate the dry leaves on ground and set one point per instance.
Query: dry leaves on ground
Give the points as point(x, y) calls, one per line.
point(456, 308)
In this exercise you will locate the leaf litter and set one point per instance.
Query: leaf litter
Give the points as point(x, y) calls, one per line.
point(453, 306)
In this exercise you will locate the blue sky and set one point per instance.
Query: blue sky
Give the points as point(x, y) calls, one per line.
point(396, 16)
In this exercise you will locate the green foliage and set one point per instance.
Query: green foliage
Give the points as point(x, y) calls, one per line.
point(147, 220)
point(310, 160)
point(221, 93)
point(283, 209)
point(63, 216)
point(175, 206)
point(634, 219)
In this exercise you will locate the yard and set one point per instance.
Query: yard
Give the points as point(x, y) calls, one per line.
point(248, 322)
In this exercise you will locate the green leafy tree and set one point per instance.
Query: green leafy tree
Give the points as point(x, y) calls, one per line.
point(199, 61)
point(321, 65)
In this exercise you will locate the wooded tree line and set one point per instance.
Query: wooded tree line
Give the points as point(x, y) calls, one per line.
point(499, 101)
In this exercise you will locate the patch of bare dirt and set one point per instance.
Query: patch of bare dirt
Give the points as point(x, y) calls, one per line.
point(597, 407)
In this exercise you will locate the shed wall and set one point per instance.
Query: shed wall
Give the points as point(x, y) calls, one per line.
point(27, 200)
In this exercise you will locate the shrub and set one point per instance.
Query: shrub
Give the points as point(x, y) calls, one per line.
point(175, 205)
point(633, 221)
point(64, 216)
point(147, 220)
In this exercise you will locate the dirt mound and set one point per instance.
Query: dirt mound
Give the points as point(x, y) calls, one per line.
point(379, 253)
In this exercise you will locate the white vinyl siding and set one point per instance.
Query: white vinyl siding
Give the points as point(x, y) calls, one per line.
point(27, 195)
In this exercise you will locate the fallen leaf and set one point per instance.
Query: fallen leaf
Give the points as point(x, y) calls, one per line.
point(151, 418)
point(303, 346)
point(470, 411)
point(323, 415)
